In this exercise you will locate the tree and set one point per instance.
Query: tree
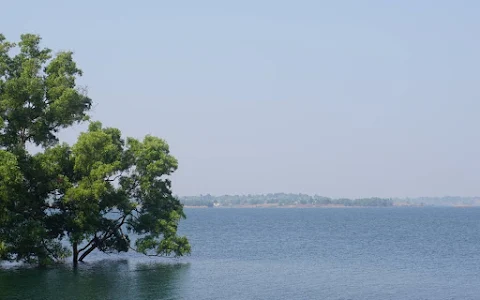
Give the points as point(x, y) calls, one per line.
point(92, 194)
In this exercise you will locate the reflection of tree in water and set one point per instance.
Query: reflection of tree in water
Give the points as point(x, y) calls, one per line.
point(110, 279)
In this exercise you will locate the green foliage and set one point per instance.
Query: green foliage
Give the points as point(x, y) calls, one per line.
point(105, 175)
point(38, 94)
point(93, 194)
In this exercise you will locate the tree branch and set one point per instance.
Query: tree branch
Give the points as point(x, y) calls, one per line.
point(115, 178)
point(81, 250)
point(96, 241)
point(82, 257)
point(49, 251)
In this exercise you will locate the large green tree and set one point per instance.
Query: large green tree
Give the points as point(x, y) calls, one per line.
point(92, 195)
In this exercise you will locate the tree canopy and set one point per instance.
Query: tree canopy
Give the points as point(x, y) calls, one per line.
point(94, 194)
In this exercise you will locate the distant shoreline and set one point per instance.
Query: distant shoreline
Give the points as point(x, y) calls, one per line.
point(324, 206)
point(283, 200)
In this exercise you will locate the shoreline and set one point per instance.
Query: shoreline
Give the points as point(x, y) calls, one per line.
point(323, 206)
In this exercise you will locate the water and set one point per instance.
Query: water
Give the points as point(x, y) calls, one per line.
point(364, 253)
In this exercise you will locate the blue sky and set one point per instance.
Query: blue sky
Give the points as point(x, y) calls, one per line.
point(338, 98)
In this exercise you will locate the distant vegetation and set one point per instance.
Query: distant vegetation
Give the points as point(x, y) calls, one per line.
point(441, 201)
point(283, 199)
point(280, 199)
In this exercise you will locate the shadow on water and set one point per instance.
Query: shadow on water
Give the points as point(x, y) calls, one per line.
point(107, 279)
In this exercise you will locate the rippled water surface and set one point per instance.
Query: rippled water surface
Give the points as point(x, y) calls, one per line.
point(364, 253)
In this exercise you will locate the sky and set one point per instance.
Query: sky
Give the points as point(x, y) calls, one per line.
point(335, 98)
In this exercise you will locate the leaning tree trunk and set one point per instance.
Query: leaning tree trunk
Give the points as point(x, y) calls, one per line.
point(84, 254)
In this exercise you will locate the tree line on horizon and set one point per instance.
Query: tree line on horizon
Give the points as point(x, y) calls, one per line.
point(286, 199)
point(282, 199)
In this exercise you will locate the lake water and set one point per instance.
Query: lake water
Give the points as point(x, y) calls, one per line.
point(344, 253)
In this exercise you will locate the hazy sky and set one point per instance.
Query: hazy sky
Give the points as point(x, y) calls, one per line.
point(338, 98)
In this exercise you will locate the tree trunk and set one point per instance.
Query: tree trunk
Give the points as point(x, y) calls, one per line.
point(82, 257)
point(75, 255)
